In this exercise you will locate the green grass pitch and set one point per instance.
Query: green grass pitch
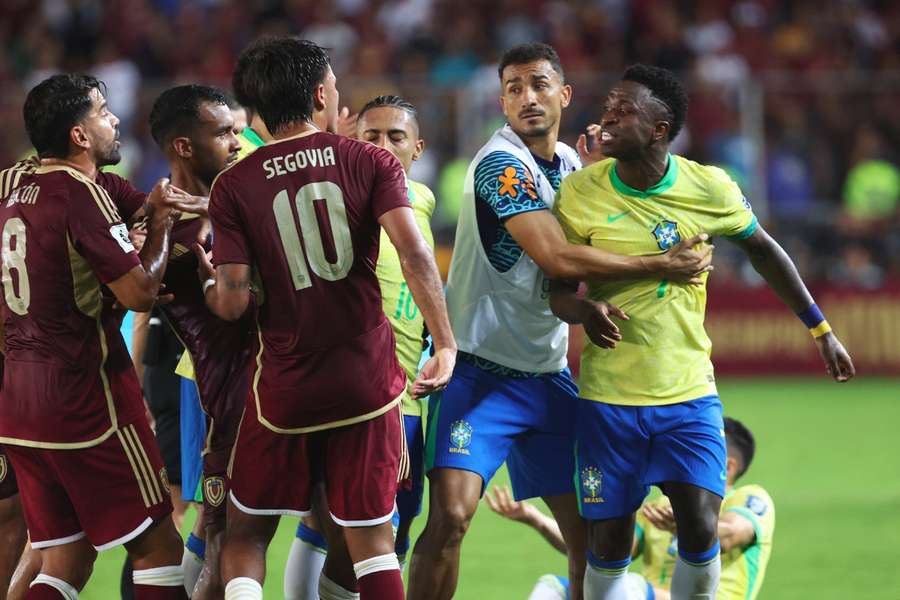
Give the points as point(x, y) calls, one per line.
point(829, 454)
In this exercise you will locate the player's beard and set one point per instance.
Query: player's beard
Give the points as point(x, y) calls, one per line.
point(110, 155)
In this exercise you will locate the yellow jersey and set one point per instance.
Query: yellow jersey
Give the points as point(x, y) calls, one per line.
point(397, 301)
point(743, 569)
point(664, 354)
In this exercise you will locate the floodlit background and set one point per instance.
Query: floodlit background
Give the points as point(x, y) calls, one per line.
point(797, 100)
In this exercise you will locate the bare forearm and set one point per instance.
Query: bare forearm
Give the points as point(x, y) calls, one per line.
point(229, 297)
point(776, 267)
point(568, 306)
point(424, 280)
point(548, 528)
point(155, 253)
point(588, 263)
point(139, 329)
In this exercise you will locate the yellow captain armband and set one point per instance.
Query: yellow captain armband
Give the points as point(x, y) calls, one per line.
point(820, 329)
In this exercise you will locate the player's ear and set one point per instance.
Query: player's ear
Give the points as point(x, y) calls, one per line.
point(566, 95)
point(420, 148)
point(183, 147)
point(79, 137)
point(319, 102)
point(661, 131)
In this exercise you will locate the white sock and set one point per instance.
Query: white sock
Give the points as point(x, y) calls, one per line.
point(549, 587)
point(170, 576)
point(191, 564)
point(329, 590)
point(384, 562)
point(695, 582)
point(637, 586)
point(68, 592)
point(605, 584)
point(301, 571)
point(243, 588)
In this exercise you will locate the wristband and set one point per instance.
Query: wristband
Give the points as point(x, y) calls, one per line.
point(208, 284)
point(815, 321)
point(820, 329)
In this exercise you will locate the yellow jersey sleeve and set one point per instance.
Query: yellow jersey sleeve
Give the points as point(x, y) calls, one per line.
point(568, 211)
point(657, 547)
point(397, 301)
point(734, 215)
point(753, 503)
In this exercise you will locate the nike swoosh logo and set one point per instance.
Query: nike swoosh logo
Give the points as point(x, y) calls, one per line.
point(614, 218)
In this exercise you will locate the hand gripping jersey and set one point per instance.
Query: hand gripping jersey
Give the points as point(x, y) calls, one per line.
point(304, 212)
point(663, 357)
point(505, 317)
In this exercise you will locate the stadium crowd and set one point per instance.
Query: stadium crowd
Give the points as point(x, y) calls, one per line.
point(828, 75)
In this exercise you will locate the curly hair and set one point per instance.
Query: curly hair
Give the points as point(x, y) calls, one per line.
point(739, 438)
point(665, 87)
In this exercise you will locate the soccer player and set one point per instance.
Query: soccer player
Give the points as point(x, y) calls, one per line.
point(305, 211)
point(512, 397)
point(650, 413)
point(746, 527)
point(194, 128)
point(389, 122)
point(72, 420)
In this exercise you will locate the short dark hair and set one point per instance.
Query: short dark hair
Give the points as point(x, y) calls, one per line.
point(177, 111)
point(53, 107)
point(739, 439)
point(276, 77)
point(529, 53)
point(392, 101)
point(665, 87)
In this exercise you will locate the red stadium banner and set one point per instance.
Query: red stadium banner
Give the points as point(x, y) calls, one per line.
point(754, 334)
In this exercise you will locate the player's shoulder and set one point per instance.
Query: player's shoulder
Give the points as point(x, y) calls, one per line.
point(752, 497)
point(586, 182)
point(714, 180)
point(80, 191)
point(497, 161)
point(424, 197)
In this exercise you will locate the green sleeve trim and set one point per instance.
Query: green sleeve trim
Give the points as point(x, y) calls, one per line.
point(750, 516)
point(750, 230)
point(639, 533)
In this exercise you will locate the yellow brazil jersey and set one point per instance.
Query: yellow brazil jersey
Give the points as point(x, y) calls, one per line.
point(250, 141)
point(663, 357)
point(397, 301)
point(743, 569)
point(657, 547)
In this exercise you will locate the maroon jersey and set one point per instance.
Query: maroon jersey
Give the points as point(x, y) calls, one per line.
point(220, 350)
point(304, 213)
point(68, 379)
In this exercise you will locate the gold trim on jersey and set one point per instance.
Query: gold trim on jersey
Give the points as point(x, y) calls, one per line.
point(101, 197)
point(151, 492)
point(230, 467)
point(313, 428)
point(85, 284)
point(110, 405)
point(405, 466)
point(9, 178)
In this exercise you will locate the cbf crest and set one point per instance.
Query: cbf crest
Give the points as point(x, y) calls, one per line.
point(591, 484)
point(214, 490)
point(460, 437)
point(666, 234)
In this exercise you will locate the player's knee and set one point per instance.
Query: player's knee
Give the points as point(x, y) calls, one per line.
point(698, 532)
point(611, 539)
point(452, 521)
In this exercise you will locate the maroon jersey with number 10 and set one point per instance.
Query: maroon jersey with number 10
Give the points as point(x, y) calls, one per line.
point(304, 213)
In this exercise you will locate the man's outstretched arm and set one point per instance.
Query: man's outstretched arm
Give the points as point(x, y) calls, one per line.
point(776, 267)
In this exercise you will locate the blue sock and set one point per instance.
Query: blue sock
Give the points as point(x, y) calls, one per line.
point(312, 537)
point(197, 546)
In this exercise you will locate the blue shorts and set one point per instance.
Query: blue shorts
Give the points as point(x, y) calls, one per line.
point(623, 450)
point(409, 502)
point(482, 419)
point(193, 440)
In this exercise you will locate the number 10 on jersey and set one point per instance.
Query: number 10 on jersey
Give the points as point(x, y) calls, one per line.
point(305, 202)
